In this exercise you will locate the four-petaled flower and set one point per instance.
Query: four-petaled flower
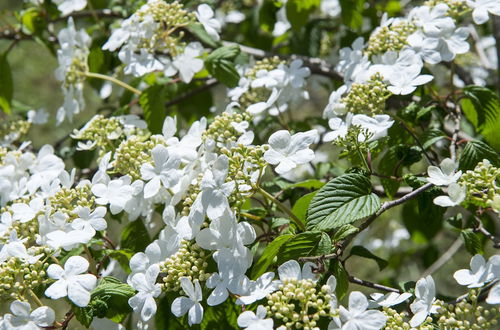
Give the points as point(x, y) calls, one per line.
point(191, 303)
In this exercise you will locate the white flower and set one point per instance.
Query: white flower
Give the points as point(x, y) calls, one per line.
point(445, 174)
point(14, 247)
point(23, 319)
point(90, 221)
point(288, 151)
point(139, 62)
point(330, 7)
point(259, 289)
point(404, 83)
point(388, 300)
point(295, 74)
point(38, 117)
point(187, 63)
point(259, 107)
point(424, 46)
point(205, 15)
point(148, 289)
point(255, 321)
point(334, 106)
point(71, 281)
point(376, 125)
point(282, 23)
point(191, 303)
point(68, 6)
point(423, 305)
point(358, 316)
point(481, 8)
point(454, 42)
point(45, 169)
point(27, 212)
point(433, 21)
point(494, 295)
point(456, 195)
point(480, 272)
point(339, 128)
point(165, 171)
point(116, 193)
point(291, 270)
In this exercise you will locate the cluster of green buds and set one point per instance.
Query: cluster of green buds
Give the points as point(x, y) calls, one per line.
point(390, 38)
point(190, 261)
point(457, 7)
point(298, 304)
point(482, 184)
point(354, 143)
point(259, 94)
point(171, 17)
point(400, 321)
point(133, 152)
point(17, 276)
point(75, 73)
point(369, 97)
point(67, 199)
point(105, 133)
point(12, 130)
point(222, 129)
point(192, 193)
point(466, 314)
point(27, 230)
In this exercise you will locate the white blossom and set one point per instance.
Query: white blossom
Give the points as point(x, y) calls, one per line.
point(205, 15)
point(358, 316)
point(255, 321)
point(68, 6)
point(456, 195)
point(165, 171)
point(191, 303)
point(425, 297)
point(147, 291)
point(480, 272)
point(22, 318)
point(187, 63)
point(445, 174)
point(481, 9)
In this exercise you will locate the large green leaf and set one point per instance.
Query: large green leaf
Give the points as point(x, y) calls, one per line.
point(6, 88)
point(482, 107)
point(341, 201)
point(310, 243)
point(300, 206)
point(135, 237)
point(476, 151)
point(152, 101)
point(267, 257)
point(361, 251)
point(220, 65)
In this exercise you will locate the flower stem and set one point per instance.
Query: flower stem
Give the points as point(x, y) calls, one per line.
point(283, 208)
point(93, 267)
point(113, 80)
point(35, 298)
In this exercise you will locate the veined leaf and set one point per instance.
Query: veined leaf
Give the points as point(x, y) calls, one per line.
point(305, 244)
point(152, 101)
point(476, 151)
point(301, 205)
point(268, 255)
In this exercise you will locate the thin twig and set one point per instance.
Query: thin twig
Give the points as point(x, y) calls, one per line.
point(372, 285)
point(445, 257)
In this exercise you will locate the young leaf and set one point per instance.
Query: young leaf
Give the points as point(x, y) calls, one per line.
point(135, 237)
point(341, 201)
point(220, 65)
point(476, 151)
point(305, 244)
point(342, 279)
point(472, 241)
point(267, 257)
point(6, 89)
point(152, 101)
point(300, 206)
point(199, 32)
point(361, 251)
point(343, 232)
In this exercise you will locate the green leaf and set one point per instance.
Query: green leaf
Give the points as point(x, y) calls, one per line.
point(297, 12)
point(361, 251)
point(341, 201)
point(135, 237)
point(220, 65)
point(344, 231)
point(305, 244)
point(33, 22)
point(352, 13)
point(122, 256)
point(387, 166)
point(482, 107)
point(342, 279)
point(6, 84)
point(474, 152)
point(300, 206)
point(152, 101)
point(472, 241)
point(199, 32)
point(431, 136)
point(226, 52)
point(267, 257)
point(308, 184)
point(109, 299)
point(223, 316)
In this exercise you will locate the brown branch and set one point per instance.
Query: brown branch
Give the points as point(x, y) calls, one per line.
point(372, 285)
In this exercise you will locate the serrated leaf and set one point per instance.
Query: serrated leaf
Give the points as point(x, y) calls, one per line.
point(308, 184)
point(6, 84)
point(387, 166)
point(343, 232)
point(341, 201)
point(267, 257)
point(342, 280)
point(472, 242)
point(361, 251)
point(305, 244)
point(199, 32)
point(225, 72)
point(474, 152)
point(301, 205)
point(152, 101)
point(432, 136)
point(226, 53)
point(482, 107)
point(135, 237)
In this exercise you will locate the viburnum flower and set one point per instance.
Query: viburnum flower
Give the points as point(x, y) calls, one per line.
point(456, 195)
point(191, 303)
point(480, 272)
point(406, 83)
point(423, 305)
point(376, 125)
point(358, 316)
point(116, 193)
point(330, 7)
point(334, 106)
point(68, 6)
point(494, 295)
point(148, 290)
point(259, 289)
point(90, 221)
point(14, 247)
point(481, 8)
point(187, 63)
point(255, 321)
point(445, 174)
point(389, 299)
point(165, 171)
point(291, 270)
point(71, 281)
point(23, 318)
point(26, 212)
point(288, 151)
point(425, 47)
point(205, 15)
point(433, 21)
